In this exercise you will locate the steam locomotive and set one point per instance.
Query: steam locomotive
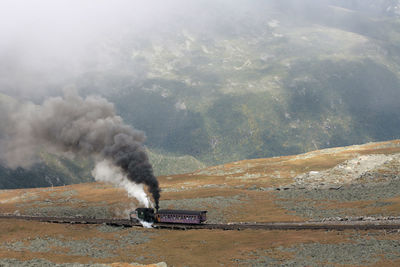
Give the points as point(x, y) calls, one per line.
point(168, 216)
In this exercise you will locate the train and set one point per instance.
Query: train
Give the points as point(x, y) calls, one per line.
point(168, 216)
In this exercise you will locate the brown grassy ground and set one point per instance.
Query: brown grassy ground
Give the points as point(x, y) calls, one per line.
point(186, 248)
point(177, 248)
point(236, 192)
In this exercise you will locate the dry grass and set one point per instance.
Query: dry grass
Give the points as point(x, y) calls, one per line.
point(244, 181)
point(220, 247)
point(176, 247)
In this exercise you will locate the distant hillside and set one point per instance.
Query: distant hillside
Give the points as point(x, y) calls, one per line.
point(56, 171)
point(284, 81)
point(165, 164)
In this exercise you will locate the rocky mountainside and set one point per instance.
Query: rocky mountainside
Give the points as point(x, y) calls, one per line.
point(269, 80)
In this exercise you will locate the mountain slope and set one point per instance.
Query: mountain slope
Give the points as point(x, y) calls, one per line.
point(282, 82)
point(56, 171)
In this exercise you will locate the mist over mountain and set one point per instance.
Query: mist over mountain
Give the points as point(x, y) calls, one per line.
point(216, 80)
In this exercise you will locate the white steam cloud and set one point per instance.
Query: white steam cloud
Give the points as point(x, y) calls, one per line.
point(107, 172)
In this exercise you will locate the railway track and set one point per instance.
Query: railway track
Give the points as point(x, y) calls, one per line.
point(391, 224)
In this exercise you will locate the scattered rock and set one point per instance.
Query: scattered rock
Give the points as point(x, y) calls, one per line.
point(362, 169)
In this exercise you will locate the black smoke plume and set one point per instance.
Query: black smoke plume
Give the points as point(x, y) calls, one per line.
point(78, 126)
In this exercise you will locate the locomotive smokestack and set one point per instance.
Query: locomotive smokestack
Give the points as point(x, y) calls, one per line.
point(82, 126)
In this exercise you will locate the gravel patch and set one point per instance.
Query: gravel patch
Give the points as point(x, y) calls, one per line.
point(64, 194)
point(258, 260)
point(43, 263)
point(46, 263)
point(104, 228)
point(93, 247)
point(28, 196)
point(311, 210)
point(364, 169)
point(350, 171)
point(47, 202)
point(347, 193)
point(214, 205)
point(360, 252)
point(183, 188)
point(221, 171)
point(135, 237)
point(307, 202)
point(15, 246)
point(89, 211)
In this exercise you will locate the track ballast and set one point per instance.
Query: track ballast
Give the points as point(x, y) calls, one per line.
point(388, 224)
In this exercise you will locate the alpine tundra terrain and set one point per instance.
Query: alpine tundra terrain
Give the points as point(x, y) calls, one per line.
point(348, 183)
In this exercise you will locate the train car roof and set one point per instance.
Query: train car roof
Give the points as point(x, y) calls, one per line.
point(186, 212)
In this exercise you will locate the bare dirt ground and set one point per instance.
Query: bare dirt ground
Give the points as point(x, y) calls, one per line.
point(351, 181)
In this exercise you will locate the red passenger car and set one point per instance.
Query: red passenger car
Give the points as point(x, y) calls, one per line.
point(181, 216)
